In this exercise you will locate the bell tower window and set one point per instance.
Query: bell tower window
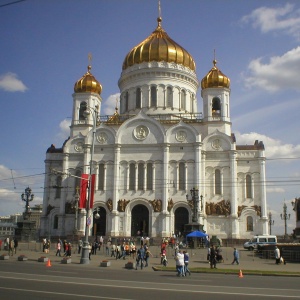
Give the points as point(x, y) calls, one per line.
point(183, 97)
point(216, 107)
point(82, 109)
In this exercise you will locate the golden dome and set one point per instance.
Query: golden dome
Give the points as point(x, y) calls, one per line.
point(215, 78)
point(88, 83)
point(159, 47)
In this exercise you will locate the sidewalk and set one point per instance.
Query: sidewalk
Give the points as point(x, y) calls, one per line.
point(248, 260)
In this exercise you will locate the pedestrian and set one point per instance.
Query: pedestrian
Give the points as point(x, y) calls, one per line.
point(208, 254)
point(235, 257)
point(147, 255)
point(16, 243)
point(179, 263)
point(69, 252)
point(11, 247)
point(277, 255)
point(118, 251)
point(44, 244)
point(213, 260)
point(113, 250)
point(107, 247)
point(140, 257)
point(100, 242)
point(90, 251)
point(58, 248)
point(80, 244)
point(0, 244)
point(133, 250)
point(186, 263)
point(96, 246)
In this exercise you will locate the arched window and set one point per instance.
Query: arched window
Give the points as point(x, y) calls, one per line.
point(249, 223)
point(153, 96)
point(183, 99)
point(58, 186)
point(149, 176)
point(169, 97)
point(82, 109)
point(101, 177)
point(216, 107)
point(248, 186)
point(182, 178)
point(126, 101)
point(138, 99)
point(217, 182)
point(132, 177)
point(55, 222)
point(140, 176)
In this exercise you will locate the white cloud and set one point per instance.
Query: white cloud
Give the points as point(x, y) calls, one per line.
point(9, 82)
point(109, 105)
point(282, 72)
point(64, 127)
point(273, 148)
point(285, 19)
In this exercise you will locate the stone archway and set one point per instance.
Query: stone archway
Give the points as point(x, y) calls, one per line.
point(181, 218)
point(140, 220)
point(99, 225)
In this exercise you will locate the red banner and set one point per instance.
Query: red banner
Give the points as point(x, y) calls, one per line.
point(93, 190)
point(83, 187)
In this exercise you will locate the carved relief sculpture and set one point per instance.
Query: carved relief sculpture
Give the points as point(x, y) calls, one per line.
point(109, 205)
point(220, 208)
point(257, 209)
point(122, 205)
point(240, 209)
point(156, 204)
point(170, 205)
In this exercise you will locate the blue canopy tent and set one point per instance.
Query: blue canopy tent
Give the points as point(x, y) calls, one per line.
point(197, 234)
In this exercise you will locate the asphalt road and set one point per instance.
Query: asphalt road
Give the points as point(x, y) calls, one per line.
point(32, 280)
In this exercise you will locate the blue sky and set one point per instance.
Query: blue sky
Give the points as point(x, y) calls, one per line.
point(44, 51)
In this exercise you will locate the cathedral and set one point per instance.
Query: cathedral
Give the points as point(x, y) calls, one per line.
point(155, 154)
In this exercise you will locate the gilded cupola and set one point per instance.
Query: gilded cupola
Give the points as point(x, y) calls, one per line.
point(215, 78)
point(88, 83)
point(159, 47)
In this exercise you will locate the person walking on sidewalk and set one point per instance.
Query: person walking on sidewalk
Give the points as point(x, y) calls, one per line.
point(277, 255)
point(235, 257)
point(58, 248)
point(186, 263)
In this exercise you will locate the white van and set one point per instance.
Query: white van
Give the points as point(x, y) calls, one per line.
point(260, 240)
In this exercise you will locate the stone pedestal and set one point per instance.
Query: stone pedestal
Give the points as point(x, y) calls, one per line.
point(43, 259)
point(22, 258)
point(130, 265)
point(66, 261)
point(26, 231)
point(105, 264)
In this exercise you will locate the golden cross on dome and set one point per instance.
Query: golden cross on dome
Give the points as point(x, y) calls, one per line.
point(90, 57)
point(159, 9)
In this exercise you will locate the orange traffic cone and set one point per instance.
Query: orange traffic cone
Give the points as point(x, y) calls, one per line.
point(48, 263)
point(241, 274)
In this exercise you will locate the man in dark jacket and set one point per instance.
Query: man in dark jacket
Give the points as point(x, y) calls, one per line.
point(213, 260)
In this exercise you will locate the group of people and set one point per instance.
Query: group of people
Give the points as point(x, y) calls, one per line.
point(182, 263)
point(10, 245)
point(65, 246)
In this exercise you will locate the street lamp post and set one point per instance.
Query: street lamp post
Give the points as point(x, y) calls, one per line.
point(27, 197)
point(271, 222)
point(195, 200)
point(85, 249)
point(285, 217)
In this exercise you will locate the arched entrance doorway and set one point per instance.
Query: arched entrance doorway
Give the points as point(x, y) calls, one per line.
point(181, 218)
point(99, 227)
point(140, 220)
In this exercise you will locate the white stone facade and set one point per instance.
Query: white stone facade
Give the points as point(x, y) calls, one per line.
point(150, 154)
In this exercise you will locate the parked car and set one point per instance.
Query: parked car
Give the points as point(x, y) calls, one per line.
point(260, 240)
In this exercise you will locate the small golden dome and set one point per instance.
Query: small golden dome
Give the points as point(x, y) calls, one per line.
point(215, 78)
point(159, 47)
point(88, 83)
